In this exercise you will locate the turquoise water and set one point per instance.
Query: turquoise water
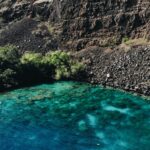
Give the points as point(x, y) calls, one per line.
point(73, 116)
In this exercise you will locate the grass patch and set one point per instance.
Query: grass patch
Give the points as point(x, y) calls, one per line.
point(140, 41)
point(134, 42)
point(127, 43)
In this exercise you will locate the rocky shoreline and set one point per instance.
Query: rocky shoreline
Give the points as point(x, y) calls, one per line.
point(117, 68)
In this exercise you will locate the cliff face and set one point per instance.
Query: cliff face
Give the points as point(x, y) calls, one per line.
point(13, 10)
point(24, 23)
point(104, 22)
point(84, 23)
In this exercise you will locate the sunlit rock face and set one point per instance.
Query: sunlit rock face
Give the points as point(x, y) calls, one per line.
point(73, 115)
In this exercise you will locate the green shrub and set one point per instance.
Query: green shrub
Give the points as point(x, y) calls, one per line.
point(31, 58)
point(34, 67)
point(9, 66)
point(9, 53)
point(125, 39)
point(56, 58)
point(8, 77)
point(61, 72)
point(77, 67)
point(65, 66)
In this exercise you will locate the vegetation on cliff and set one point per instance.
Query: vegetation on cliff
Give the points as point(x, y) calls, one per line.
point(9, 66)
point(17, 69)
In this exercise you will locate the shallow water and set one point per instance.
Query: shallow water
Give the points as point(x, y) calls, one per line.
point(73, 116)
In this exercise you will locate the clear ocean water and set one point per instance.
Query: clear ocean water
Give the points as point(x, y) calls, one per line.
point(73, 116)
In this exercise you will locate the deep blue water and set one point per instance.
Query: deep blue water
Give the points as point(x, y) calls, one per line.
point(73, 116)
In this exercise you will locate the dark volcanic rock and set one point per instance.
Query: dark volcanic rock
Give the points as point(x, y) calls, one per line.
point(28, 35)
point(84, 23)
point(117, 68)
point(11, 10)
point(104, 22)
point(25, 24)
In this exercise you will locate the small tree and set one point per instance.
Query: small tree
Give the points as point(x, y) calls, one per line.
point(31, 58)
point(65, 66)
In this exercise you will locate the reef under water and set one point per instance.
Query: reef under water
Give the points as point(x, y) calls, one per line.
point(73, 116)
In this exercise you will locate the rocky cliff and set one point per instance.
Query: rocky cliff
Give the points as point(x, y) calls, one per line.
point(104, 22)
point(24, 23)
point(84, 23)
